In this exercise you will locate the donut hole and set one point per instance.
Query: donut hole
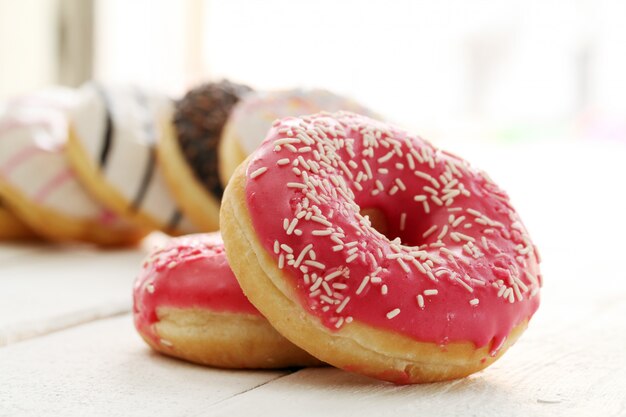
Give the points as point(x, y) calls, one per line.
point(378, 219)
point(388, 225)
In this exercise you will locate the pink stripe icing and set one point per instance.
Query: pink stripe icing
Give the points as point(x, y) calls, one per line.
point(62, 177)
point(189, 272)
point(463, 268)
point(19, 158)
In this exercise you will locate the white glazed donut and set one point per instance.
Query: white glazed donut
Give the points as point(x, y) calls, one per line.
point(253, 115)
point(37, 181)
point(113, 137)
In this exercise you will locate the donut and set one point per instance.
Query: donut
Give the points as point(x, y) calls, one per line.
point(188, 150)
point(442, 293)
point(253, 116)
point(11, 227)
point(112, 146)
point(38, 184)
point(188, 304)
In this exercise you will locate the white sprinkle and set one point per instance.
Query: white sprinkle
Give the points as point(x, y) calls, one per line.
point(431, 292)
point(402, 221)
point(393, 313)
point(384, 289)
point(426, 206)
point(430, 190)
point(352, 257)
point(420, 198)
point(315, 264)
point(150, 287)
point(343, 304)
point(303, 254)
point(420, 300)
point(292, 226)
point(333, 275)
point(458, 221)
point(463, 284)
point(324, 232)
point(368, 169)
point(443, 232)
point(258, 172)
point(437, 200)
point(474, 301)
point(403, 265)
point(276, 247)
point(296, 185)
point(286, 248)
point(430, 231)
point(409, 158)
point(281, 261)
point(386, 158)
point(364, 283)
point(284, 161)
point(400, 184)
point(321, 220)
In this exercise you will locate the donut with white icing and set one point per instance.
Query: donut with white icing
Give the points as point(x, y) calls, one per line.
point(188, 150)
point(112, 145)
point(38, 183)
point(188, 304)
point(443, 293)
point(253, 116)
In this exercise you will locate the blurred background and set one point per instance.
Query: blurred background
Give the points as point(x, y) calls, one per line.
point(494, 70)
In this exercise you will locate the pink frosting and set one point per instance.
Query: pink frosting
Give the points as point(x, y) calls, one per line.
point(459, 265)
point(189, 272)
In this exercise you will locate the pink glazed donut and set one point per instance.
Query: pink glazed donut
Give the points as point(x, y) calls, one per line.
point(188, 304)
point(378, 253)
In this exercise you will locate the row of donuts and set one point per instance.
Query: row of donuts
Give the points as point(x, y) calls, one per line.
point(350, 242)
point(107, 165)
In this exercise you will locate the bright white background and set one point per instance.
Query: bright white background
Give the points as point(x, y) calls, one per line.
point(509, 65)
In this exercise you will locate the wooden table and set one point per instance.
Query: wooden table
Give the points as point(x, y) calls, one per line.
point(68, 347)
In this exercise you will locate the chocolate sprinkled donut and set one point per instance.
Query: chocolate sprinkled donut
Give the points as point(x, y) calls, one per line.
point(199, 118)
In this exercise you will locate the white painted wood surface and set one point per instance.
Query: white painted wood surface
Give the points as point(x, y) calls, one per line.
point(65, 354)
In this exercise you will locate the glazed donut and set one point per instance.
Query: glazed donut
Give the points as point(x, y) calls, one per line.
point(11, 227)
point(37, 182)
point(112, 146)
point(188, 150)
point(449, 287)
point(188, 304)
point(253, 116)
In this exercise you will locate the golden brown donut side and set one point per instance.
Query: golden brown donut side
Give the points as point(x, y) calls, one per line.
point(224, 340)
point(13, 228)
point(56, 227)
point(201, 208)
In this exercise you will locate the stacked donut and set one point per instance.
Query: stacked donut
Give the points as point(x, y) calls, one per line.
point(356, 244)
point(107, 165)
point(346, 240)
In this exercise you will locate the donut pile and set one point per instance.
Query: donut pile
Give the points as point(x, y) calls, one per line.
point(107, 165)
point(362, 245)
